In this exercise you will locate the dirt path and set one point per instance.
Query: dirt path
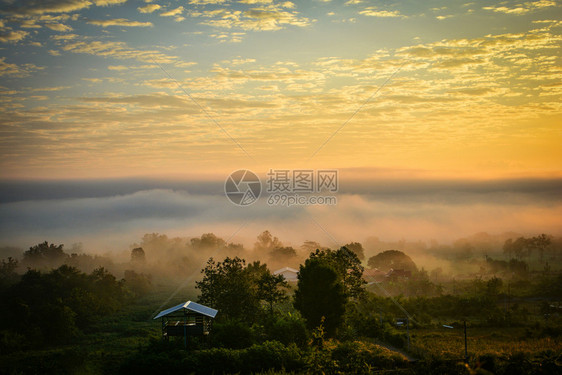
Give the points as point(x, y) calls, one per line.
point(392, 348)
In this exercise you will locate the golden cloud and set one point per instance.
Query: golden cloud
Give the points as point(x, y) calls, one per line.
point(120, 22)
point(149, 8)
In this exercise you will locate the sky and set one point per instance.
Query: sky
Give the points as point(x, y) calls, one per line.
point(434, 95)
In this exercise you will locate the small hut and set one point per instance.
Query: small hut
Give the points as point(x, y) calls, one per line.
point(374, 273)
point(290, 274)
point(186, 319)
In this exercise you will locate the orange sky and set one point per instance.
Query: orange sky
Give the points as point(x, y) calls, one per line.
point(117, 88)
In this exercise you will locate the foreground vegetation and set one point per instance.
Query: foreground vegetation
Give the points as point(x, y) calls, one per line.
point(58, 319)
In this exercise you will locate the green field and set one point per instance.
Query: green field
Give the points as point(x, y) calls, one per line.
point(501, 342)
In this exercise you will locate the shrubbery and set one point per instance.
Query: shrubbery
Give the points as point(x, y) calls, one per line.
point(55, 361)
point(270, 355)
point(348, 357)
point(288, 329)
point(362, 358)
point(52, 308)
point(232, 334)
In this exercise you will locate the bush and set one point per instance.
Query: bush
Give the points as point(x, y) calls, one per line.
point(58, 325)
point(362, 358)
point(518, 363)
point(271, 355)
point(11, 341)
point(57, 362)
point(165, 356)
point(287, 330)
point(232, 334)
point(213, 361)
point(54, 307)
point(394, 337)
point(441, 367)
point(367, 324)
point(488, 362)
point(168, 359)
point(138, 283)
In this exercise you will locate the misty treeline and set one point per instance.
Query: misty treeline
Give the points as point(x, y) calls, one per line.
point(161, 256)
point(169, 260)
point(174, 257)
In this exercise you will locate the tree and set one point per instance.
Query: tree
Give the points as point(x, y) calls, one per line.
point(508, 248)
point(234, 249)
point(311, 246)
point(283, 253)
point(271, 289)
point(138, 256)
point(540, 243)
point(52, 307)
point(266, 242)
point(58, 323)
point(208, 241)
point(107, 289)
point(392, 259)
point(228, 287)
point(45, 255)
point(237, 290)
point(520, 247)
point(493, 286)
point(320, 295)
point(8, 275)
point(138, 283)
point(256, 270)
point(519, 267)
point(357, 248)
point(347, 265)
point(87, 262)
point(463, 248)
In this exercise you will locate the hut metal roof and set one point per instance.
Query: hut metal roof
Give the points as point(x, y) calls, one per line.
point(189, 305)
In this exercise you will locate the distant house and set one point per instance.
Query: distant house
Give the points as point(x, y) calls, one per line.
point(394, 275)
point(373, 274)
point(289, 273)
point(186, 319)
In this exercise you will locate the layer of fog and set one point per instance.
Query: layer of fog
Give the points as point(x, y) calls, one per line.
point(109, 216)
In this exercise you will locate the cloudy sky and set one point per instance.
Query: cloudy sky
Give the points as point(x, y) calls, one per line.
point(194, 89)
